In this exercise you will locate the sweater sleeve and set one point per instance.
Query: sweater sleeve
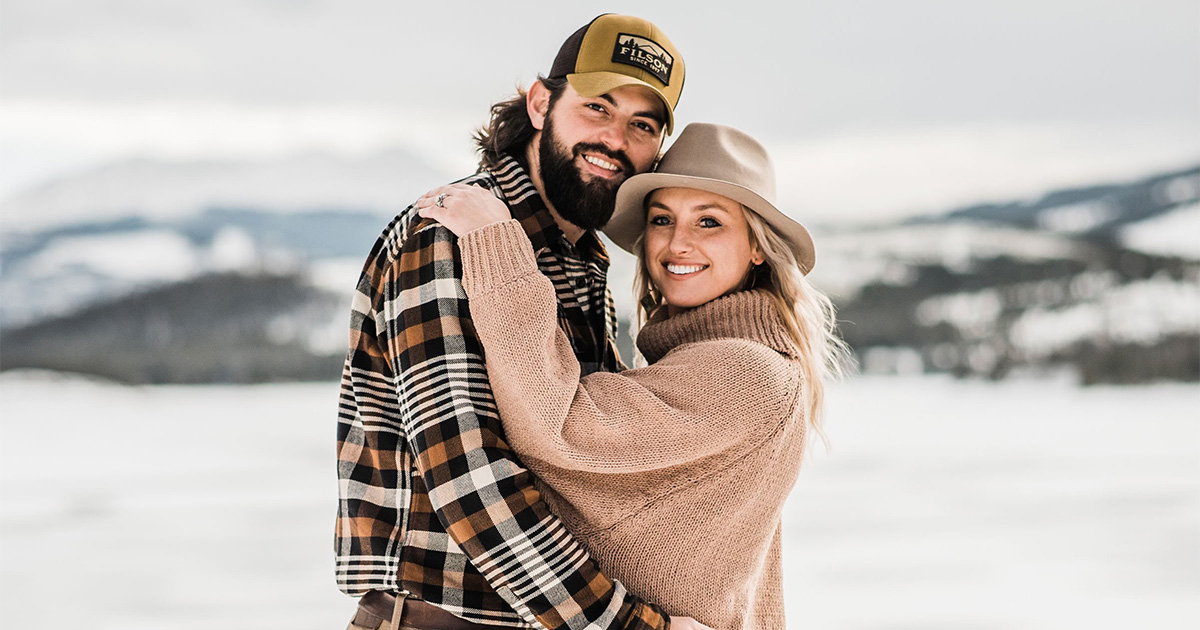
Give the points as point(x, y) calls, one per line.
point(699, 400)
point(483, 497)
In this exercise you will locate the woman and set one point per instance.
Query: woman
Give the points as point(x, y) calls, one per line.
point(672, 475)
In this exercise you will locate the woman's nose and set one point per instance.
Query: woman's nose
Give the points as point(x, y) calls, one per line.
point(681, 240)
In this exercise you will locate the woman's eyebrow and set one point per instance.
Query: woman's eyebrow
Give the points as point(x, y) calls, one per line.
point(713, 206)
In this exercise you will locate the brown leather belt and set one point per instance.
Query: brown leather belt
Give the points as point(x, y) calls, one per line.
point(377, 607)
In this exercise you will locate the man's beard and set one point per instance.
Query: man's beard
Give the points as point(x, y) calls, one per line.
point(587, 204)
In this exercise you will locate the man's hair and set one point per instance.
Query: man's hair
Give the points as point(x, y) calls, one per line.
point(510, 130)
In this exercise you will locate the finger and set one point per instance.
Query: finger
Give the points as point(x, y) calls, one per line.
point(465, 191)
point(432, 214)
point(433, 199)
point(432, 195)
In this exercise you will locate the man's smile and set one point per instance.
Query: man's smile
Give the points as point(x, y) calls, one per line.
point(601, 167)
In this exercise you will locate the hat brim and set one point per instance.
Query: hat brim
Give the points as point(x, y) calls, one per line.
point(629, 216)
point(592, 84)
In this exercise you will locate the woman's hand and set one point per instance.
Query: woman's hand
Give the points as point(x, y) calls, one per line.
point(462, 208)
point(687, 623)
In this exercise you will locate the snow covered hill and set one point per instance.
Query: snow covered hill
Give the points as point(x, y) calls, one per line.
point(1172, 233)
point(158, 191)
point(53, 273)
point(990, 291)
point(975, 298)
point(136, 225)
point(1097, 212)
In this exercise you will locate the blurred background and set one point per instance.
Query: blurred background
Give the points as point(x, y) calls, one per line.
point(1005, 199)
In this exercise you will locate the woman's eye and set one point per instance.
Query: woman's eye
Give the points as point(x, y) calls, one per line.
point(659, 220)
point(709, 223)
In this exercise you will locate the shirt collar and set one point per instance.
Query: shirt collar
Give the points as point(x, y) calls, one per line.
point(530, 210)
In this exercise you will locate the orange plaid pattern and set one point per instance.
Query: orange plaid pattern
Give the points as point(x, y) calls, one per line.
point(432, 500)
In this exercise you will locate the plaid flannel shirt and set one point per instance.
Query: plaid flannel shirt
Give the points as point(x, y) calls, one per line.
point(432, 499)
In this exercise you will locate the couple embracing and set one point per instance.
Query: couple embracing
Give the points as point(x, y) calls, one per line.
point(499, 466)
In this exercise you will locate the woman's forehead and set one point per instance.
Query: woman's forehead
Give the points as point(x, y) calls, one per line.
point(679, 199)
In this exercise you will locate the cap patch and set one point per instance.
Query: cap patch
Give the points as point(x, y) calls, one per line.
point(645, 54)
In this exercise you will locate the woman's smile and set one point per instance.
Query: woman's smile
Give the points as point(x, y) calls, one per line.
point(684, 270)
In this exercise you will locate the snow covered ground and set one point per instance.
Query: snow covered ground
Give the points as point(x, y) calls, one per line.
point(942, 505)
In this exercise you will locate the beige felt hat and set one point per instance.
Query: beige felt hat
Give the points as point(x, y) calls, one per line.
point(718, 159)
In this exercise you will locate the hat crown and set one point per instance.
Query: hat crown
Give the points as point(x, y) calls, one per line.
point(721, 153)
point(720, 160)
point(614, 50)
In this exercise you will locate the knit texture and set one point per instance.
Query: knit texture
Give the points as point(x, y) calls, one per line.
point(673, 475)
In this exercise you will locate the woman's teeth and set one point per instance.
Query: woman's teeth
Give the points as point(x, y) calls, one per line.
point(683, 270)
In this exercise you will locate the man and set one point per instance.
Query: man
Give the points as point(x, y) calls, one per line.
point(439, 526)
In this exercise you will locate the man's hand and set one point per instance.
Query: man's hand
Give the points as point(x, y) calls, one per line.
point(462, 208)
point(687, 623)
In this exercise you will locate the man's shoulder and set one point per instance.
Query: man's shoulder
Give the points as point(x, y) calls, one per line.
point(408, 222)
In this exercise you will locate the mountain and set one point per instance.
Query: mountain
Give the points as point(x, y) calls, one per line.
point(1100, 213)
point(1102, 281)
point(55, 272)
point(991, 291)
point(229, 328)
point(162, 191)
point(139, 224)
point(983, 300)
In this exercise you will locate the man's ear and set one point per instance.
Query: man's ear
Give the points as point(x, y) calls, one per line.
point(537, 104)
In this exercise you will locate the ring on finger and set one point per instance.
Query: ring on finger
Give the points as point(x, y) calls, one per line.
point(440, 201)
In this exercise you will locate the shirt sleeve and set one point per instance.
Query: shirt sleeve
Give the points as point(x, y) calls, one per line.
point(482, 495)
point(698, 401)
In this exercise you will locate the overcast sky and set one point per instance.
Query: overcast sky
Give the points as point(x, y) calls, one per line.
point(870, 107)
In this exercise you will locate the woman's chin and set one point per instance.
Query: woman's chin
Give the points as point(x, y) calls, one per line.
point(681, 303)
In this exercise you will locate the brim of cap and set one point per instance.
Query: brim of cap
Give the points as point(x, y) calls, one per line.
point(592, 84)
point(629, 217)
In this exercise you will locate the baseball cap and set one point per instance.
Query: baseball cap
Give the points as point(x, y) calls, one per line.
point(617, 50)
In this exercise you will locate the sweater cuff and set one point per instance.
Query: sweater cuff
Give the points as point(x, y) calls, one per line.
point(494, 255)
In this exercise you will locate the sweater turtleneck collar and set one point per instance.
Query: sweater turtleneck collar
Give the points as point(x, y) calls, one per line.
point(743, 315)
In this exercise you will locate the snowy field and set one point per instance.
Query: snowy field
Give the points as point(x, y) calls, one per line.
point(942, 505)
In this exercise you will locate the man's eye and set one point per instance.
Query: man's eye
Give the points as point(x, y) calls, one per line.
point(596, 107)
point(647, 127)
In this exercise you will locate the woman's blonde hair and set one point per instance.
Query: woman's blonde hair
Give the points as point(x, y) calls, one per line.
point(807, 313)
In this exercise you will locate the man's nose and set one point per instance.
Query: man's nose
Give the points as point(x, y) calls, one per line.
point(613, 136)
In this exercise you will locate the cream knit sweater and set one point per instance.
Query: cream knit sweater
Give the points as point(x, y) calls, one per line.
point(673, 476)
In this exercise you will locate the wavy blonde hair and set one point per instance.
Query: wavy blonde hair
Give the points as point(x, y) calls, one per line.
point(807, 313)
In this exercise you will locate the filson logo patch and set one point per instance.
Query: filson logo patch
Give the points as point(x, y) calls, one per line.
point(645, 54)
